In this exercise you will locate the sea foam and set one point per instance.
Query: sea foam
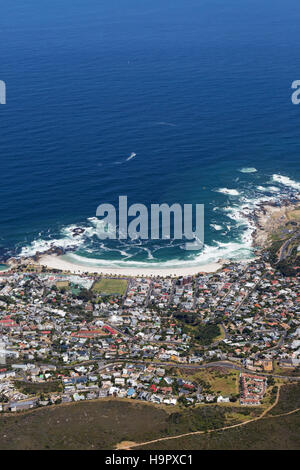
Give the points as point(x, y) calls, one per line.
point(248, 170)
point(230, 192)
point(286, 181)
point(216, 227)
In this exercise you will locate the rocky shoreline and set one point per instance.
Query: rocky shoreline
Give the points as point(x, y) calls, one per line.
point(270, 216)
point(20, 261)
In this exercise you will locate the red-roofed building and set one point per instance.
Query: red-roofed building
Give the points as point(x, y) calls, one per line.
point(109, 329)
point(7, 322)
point(88, 333)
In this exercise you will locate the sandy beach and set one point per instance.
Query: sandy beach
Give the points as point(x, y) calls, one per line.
point(57, 262)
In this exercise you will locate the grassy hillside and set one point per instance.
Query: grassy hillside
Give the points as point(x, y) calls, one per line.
point(273, 432)
point(103, 424)
point(267, 434)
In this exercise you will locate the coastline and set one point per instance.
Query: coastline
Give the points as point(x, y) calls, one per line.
point(266, 218)
point(4, 268)
point(57, 262)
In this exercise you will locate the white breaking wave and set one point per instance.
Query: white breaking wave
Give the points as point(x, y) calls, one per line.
point(132, 155)
point(216, 227)
point(230, 192)
point(41, 246)
point(286, 181)
point(70, 239)
point(242, 215)
point(237, 214)
point(266, 189)
point(248, 170)
point(274, 189)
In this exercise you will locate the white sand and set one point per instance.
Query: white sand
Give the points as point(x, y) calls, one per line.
point(57, 262)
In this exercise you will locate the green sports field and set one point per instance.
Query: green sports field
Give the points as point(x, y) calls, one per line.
point(110, 286)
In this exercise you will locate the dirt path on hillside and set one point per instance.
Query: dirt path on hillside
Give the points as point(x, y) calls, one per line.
point(127, 445)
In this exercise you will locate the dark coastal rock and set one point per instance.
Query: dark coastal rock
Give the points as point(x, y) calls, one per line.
point(78, 231)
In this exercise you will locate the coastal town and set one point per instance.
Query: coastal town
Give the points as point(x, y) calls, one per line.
point(71, 337)
point(150, 229)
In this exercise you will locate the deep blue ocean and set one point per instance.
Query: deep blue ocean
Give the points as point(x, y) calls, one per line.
point(199, 90)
